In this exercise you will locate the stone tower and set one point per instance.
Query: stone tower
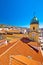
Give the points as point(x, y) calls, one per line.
point(34, 27)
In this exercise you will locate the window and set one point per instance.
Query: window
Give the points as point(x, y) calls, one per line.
point(33, 28)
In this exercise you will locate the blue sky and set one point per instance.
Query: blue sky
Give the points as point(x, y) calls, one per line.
point(20, 12)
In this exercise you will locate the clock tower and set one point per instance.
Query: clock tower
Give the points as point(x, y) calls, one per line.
point(34, 28)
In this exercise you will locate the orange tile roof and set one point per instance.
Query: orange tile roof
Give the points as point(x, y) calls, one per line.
point(19, 35)
point(18, 48)
point(5, 47)
point(2, 40)
point(13, 31)
point(2, 31)
point(22, 60)
point(2, 43)
point(34, 44)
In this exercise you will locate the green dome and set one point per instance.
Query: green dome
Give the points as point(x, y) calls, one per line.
point(34, 20)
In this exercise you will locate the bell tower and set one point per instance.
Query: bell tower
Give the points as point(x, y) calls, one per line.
point(34, 27)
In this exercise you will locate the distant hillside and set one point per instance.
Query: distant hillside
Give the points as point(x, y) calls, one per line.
point(7, 26)
point(3, 26)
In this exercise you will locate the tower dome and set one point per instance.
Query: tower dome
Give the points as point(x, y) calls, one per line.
point(34, 20)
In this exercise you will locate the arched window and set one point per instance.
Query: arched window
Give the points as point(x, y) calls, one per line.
point(33, 28)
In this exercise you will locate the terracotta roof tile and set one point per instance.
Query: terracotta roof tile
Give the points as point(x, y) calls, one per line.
point(19, 48)
point(17, 59)
point(5, 47)
point(34, 44)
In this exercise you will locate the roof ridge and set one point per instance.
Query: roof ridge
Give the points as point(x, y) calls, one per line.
point(18, 60)
point(8, 49)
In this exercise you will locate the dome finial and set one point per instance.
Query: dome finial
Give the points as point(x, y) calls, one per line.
point(34, 14)
point(34, 20)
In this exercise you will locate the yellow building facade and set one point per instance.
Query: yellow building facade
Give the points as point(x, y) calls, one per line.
point(34, 28)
